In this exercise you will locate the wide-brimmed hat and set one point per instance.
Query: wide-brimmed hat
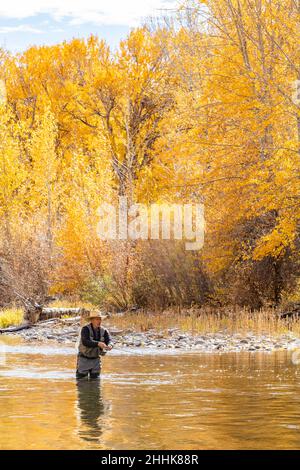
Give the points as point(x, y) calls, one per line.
point(96, 315)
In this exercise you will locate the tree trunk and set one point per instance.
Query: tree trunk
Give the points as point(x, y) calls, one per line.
point(38, 313)
point(278, 282)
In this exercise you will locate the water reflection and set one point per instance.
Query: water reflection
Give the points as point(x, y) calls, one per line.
point(90, 409)
point(200, 401)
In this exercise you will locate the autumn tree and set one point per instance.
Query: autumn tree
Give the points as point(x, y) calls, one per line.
point(238, 125)
point(199, 108)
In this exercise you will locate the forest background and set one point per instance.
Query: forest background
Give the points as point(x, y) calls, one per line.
point(199, 107)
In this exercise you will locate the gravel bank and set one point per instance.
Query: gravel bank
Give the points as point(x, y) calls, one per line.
point(66, 331)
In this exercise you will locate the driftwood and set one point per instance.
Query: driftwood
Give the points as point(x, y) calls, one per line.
point(293, 312)
point(47, 322)
point(35, 313)
point(115, 331)
point(11, 329)
point(68, 321)
point(53, 313)
point(290, 315)
point(48, 313)
point(32, 312)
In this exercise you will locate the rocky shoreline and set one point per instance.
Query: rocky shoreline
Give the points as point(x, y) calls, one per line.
point(66, 331)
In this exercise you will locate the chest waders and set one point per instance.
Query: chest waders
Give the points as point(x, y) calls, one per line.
point(92, 353)
point(89, 359)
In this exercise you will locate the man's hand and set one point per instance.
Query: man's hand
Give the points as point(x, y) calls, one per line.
point(104, 346)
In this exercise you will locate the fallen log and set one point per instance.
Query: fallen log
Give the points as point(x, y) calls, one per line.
point(48, 313)
point(115, 331)
point(47, 322)
point(70, 321)
point(292, 313)
point(12, 329)
point(36, 313)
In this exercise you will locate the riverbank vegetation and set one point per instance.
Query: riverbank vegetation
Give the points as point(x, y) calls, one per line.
point(11, 316)
point(203, 320)
point(230, 320)
point(199, 107)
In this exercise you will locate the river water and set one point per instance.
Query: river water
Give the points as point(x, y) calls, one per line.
point(150, 400)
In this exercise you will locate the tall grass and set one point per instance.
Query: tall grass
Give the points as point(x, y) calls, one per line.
point(11, 317)
point(207, 320)
point(193, 320)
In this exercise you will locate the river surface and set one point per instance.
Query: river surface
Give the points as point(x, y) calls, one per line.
point(154, 400)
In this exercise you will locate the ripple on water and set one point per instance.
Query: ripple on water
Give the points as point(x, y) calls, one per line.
point(37, 374)
point(39, 349)
point(48, 350)
point(68, 374)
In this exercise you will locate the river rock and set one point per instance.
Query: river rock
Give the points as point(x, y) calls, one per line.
point(59, 331)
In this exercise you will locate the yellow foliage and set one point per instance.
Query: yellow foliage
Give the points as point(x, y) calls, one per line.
point(182, 114)
point(10, 316)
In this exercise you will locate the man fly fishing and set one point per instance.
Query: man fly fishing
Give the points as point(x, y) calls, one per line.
point(94, 342)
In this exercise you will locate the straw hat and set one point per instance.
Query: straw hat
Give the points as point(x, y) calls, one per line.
point(96, 315)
